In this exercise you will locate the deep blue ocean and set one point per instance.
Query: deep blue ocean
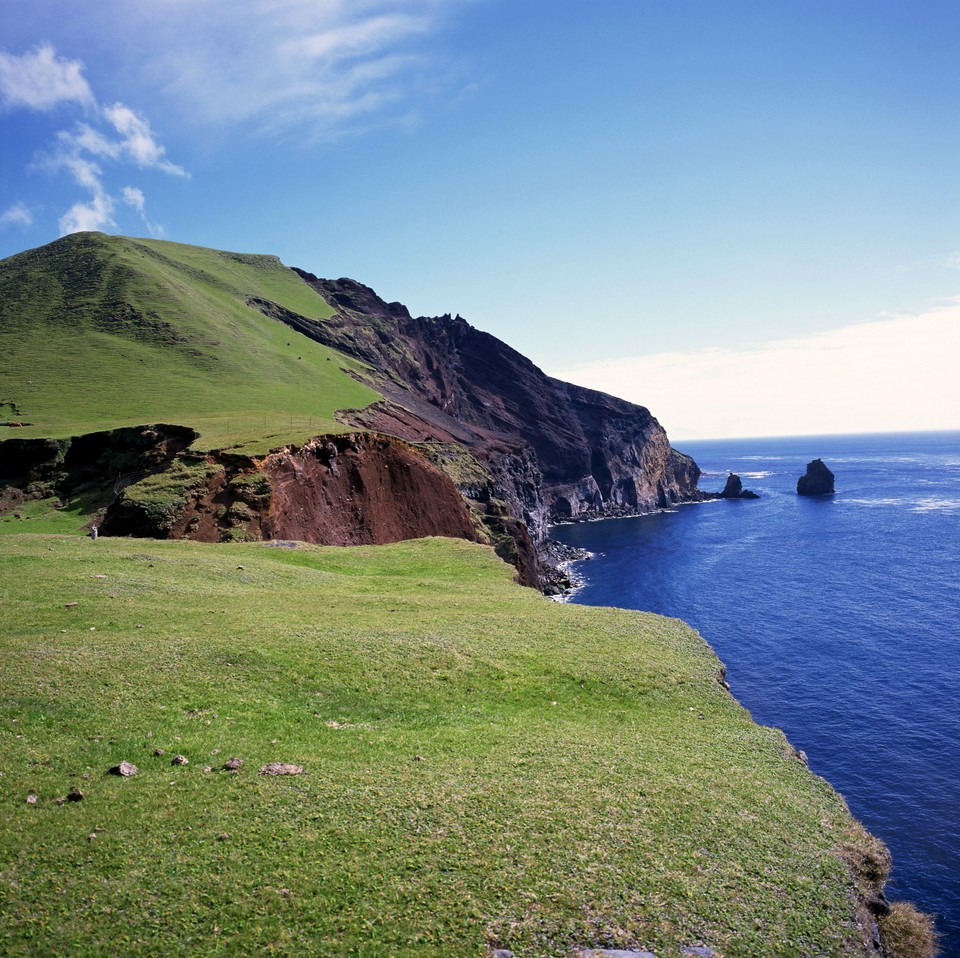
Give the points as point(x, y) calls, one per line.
point(838, 619)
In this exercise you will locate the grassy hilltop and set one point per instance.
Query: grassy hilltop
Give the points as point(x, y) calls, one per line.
point(103, 331)
point(484, 769)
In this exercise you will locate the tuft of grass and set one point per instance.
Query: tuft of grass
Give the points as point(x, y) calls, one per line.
point(485, 768)
point(908, 933)
point(96, 329)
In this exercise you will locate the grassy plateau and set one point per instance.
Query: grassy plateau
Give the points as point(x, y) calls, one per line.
point(483, 767)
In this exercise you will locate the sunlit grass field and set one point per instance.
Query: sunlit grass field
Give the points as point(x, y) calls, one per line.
point(484, 767)
point(102, 331)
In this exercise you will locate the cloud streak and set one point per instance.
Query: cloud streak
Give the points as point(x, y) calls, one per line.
point(17, 215)
point(41, 81)
point(843, 380)
point(310, 67)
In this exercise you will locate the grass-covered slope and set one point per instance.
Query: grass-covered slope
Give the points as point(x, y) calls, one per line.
point(484, 768)
point(103, 331)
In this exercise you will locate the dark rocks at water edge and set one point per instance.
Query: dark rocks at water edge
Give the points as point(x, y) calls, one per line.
point(816, 481)
point(556, 578)
point(734, 489)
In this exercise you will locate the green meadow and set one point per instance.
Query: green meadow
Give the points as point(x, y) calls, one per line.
point(78, 357)
point(483, 767)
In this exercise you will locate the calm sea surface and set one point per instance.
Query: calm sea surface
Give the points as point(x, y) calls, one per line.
point(838, 619)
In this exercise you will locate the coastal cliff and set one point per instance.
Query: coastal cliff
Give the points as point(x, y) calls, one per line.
point(556, 451)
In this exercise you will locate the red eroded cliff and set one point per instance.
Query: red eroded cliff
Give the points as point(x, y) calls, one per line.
point(361, 489)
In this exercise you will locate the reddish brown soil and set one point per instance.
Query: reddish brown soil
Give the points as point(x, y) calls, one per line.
point(375, 490)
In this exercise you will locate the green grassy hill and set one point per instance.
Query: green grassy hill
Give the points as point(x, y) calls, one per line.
point(484, 768)
point(102, 331)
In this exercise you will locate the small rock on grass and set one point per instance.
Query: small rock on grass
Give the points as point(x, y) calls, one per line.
point(75, 795)
point(32, 799)
point(234, 765)
point(281, 768)
point(179, 760)
point(615, 953)
point(126, 769)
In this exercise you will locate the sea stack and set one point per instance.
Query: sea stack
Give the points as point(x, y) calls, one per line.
point(734, 489)
point(817, 481)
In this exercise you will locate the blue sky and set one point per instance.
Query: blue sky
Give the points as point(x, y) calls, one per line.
point(744, 214)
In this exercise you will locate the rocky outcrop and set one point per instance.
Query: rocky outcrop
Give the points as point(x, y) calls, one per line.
point(552, 450)
point(816, 481)
point(733, 489)
point(93, 468)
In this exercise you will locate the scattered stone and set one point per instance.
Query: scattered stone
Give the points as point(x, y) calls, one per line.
point(281, 768)
point(71, 605)
point(240, 567)
point(233, 764)
point(615, 953)
point(74, 795)
point(92, 836)
point(208, 768)
point(98, 575)
point(223, 836)
point(139, 626)
point(700, 951)
point(31, 799)
point(216, 751)
point(126, 769)
point(158, 751)
point(502, 953)
point(816, 481)
point(179, 760)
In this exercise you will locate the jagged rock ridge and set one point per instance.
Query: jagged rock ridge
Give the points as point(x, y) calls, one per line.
point(553, 450)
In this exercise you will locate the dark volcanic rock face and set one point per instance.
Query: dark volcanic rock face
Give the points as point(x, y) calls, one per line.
point(554, 450)
point(733, 489)
point(816, 481)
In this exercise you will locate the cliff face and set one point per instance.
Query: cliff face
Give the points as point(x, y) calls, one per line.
point(554, 450)
point(355, 490)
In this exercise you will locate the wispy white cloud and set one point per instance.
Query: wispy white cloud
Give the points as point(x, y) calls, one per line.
point(898, 373)
point(40, 80)
point(353, 39)
point(95, 214)
point(299, 66)
point(18, 214)
point(137, 140)
point(133, 196)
